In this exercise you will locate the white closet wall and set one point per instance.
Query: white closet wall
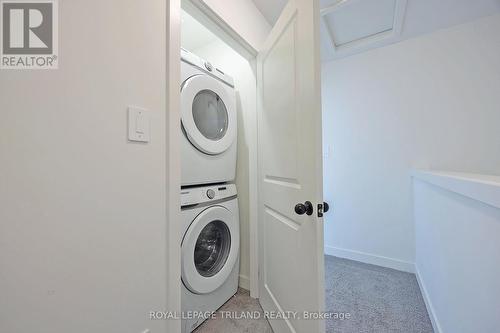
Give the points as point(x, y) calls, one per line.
point(83, 212)
point(244, 18)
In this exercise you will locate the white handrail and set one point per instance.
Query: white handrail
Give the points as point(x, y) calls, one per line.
point(484, 188)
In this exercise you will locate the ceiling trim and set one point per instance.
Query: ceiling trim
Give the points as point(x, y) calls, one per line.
point(363, 44)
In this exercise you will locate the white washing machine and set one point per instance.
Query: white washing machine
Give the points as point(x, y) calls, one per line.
point(209, 250)
point(209, 123)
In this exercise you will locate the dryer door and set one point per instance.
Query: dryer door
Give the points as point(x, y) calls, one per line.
point(208, 114)
point(210, 250)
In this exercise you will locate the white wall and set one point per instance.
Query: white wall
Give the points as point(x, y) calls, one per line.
point(458, 244)
point(230, 62)
point(427, 102)
point(82, 211)
point(244, 18)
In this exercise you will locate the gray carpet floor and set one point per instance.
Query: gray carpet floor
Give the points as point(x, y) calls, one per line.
point(377, 299)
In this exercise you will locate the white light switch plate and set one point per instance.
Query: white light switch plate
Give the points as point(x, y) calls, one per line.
point(139, 126)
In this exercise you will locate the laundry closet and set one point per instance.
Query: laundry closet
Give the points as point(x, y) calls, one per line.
point(218, 108)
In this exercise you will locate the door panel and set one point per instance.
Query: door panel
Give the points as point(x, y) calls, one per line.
point(290, 168)
point(280, 156)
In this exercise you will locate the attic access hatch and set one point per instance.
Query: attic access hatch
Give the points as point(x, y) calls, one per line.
point(352, 26)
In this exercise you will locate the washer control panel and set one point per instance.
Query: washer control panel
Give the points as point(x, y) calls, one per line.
point(198, 195)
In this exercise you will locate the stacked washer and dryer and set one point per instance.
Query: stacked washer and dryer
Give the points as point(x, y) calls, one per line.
point(209, 206)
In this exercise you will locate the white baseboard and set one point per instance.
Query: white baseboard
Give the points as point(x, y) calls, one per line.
point(244, 282)
point(373, 259)
point(428, 303)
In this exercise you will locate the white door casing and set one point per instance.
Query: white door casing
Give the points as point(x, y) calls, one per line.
point(290, 168)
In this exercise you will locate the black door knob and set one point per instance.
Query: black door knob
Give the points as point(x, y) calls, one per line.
point(326, 207)
point(305, 208)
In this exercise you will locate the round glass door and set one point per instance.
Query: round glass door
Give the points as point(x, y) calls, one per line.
point(210, 115)
point(212, 248)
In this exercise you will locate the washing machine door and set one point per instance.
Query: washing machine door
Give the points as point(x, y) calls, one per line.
point(208, 114)
point(210, 250)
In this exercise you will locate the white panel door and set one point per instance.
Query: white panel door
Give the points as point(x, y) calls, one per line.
point(290, 169)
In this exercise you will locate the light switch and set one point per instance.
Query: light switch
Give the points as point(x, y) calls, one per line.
point(138, 124)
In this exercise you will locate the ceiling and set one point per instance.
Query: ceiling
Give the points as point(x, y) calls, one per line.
point(270, 9)
point(353, 26)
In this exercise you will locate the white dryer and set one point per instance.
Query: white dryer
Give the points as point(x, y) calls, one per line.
point(209, 123)
point(209, 250)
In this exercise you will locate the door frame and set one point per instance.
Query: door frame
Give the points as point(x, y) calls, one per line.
point(212, 21)
point(216, 24)
point(173, 170)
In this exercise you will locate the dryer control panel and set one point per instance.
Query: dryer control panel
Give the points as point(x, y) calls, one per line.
point(198, 195)
point(206, 66)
